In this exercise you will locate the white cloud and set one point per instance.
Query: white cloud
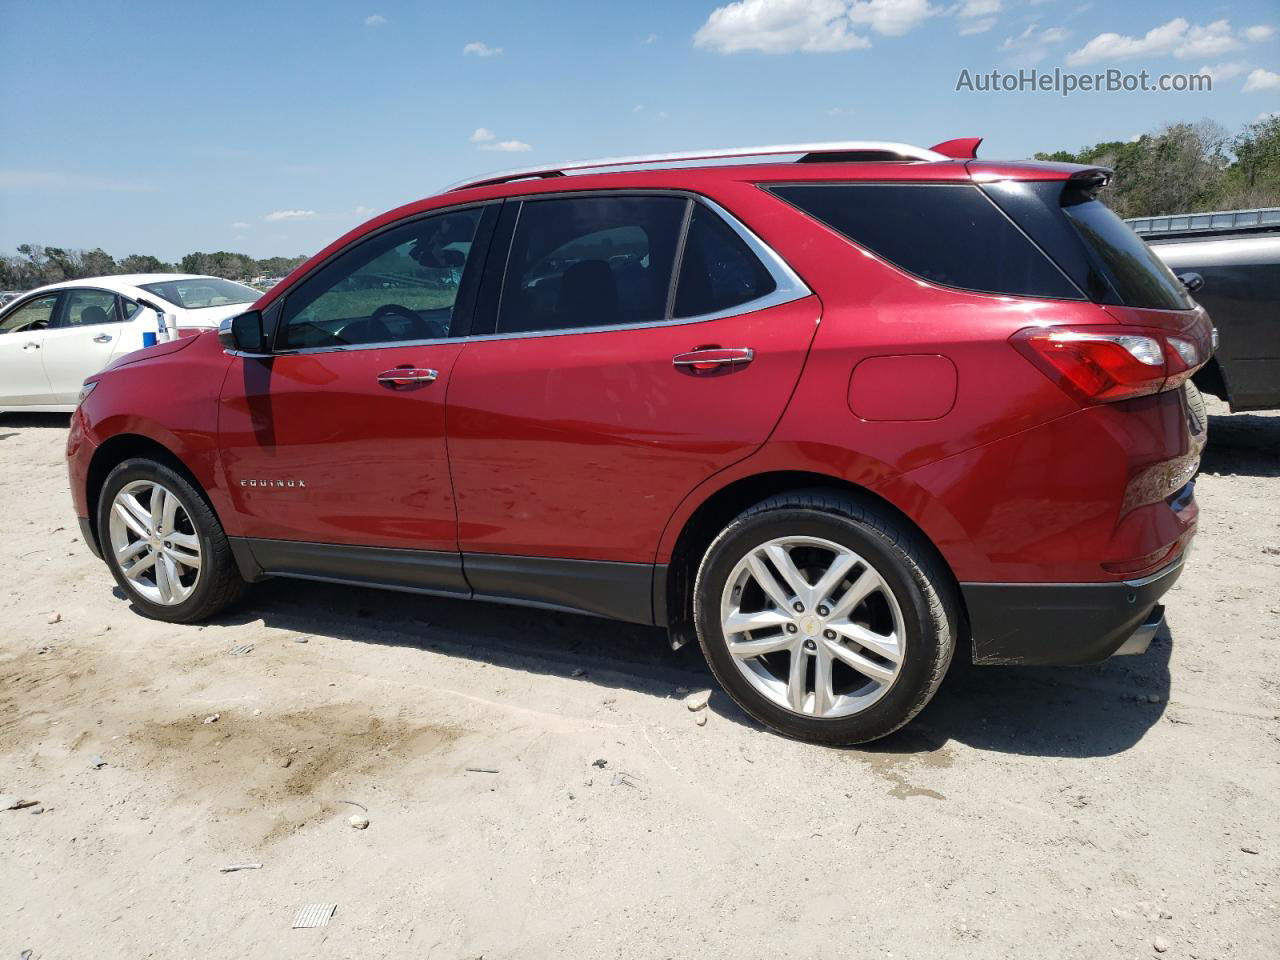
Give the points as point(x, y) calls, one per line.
point(377, 20)
point(1261, 80)
point(969, 9)
point(638, 108)
point(780, 26)
point(241, 225)
point(482, 135)
point(892, 18)
point(1259, 33)
point(481, 49)
point(275, 215)
point(507, 146)
point(1178, 38)
point(1032, 44)
point(363, 211)
point(1224, 71)
point(977, 26)
point(651, 38)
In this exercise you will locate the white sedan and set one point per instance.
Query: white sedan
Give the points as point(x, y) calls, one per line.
point(53, 337)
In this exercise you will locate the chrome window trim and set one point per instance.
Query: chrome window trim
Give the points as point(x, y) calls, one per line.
point(788, 285)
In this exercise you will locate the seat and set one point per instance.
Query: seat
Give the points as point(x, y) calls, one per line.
point(93, 315)
point(588, 296)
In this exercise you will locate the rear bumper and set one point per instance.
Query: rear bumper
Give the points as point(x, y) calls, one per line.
point(1042, 624)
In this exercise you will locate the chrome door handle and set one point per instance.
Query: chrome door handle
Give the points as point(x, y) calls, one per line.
point(102, 338)
point(710, 359)
point(404, 376)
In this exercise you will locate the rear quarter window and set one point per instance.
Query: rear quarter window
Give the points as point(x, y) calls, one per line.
point(949, 234)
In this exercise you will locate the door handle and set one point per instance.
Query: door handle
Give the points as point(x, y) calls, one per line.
point(710, 359)
point(102, 338)
point(31, 346)
point(405, 376)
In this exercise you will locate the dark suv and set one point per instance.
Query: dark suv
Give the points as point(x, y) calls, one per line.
point(840, 411)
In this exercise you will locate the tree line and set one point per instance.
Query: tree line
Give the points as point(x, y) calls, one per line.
point(35, 265)
point(1188, 168)
point(1182, 168)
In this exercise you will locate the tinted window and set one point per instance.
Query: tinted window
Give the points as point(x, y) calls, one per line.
point(128, 308)
point(590, 262)
point(951, 235)
point(32, 315)
point(1139, 277)
point(87, 308)
point(718, 270)
point(203, 292)
point(399, 285)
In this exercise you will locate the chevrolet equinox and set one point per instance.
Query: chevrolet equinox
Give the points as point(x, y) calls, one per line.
point(839, 411)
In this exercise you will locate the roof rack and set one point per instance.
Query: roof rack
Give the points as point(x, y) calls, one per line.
point(1212, 221)
point(864, 150)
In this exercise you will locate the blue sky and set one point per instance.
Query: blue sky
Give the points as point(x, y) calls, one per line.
point(270, 128)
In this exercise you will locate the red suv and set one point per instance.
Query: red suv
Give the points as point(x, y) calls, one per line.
point(840, 411)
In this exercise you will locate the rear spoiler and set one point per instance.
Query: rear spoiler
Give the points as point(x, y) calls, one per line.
point(962, 148)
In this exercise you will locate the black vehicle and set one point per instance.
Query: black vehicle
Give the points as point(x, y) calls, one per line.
point(1237, 253)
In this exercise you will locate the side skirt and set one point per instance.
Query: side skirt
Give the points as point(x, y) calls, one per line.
point(616, 591)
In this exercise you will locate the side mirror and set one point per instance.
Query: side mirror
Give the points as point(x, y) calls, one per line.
point(1192, 281)
point(244, 333)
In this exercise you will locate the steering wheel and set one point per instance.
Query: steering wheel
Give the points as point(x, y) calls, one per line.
point(419, 328)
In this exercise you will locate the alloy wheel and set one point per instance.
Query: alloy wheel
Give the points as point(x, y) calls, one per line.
point(813, 626)
point(155, 542)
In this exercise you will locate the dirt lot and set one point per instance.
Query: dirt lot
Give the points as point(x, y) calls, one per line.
point(1108, 811)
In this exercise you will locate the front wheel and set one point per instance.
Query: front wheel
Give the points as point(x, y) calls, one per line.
point(164, 544)
point(825, 618)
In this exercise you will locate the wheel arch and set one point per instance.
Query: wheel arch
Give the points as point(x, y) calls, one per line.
point(126, 446)
point(673, 587)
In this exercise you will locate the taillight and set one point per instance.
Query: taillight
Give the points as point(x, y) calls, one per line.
point(1102, 364)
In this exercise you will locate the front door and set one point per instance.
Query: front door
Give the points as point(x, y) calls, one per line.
point(334, 447)
point(611, 390)
point(22, 332)
point(82, 338)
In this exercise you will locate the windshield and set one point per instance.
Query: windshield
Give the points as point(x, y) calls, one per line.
point(1139, 277)
point(203, 292)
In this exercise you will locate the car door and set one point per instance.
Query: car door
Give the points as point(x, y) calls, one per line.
point(22, 331)
point(611, 386)
point(80, 340)
point(333, 447)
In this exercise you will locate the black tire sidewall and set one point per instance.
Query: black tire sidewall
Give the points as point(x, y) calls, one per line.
point(925, 642)
point(201, 520)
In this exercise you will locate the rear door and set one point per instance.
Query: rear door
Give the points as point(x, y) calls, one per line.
point(22, 332)
point(80, 340)
point(640, 343)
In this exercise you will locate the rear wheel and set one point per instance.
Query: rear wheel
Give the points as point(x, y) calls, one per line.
point(825, 618)
point(164, 545)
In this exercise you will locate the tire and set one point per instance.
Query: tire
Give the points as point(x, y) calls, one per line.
point(193, 534)
point(907, 623)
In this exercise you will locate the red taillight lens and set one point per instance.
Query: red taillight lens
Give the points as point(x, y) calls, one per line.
point(1102, 364)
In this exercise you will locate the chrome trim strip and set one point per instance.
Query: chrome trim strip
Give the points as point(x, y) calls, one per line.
point(789, 287)
point(728, 153)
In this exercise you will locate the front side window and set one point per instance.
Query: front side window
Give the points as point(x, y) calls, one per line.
point(32, 315)
point(203, 292)
point(947, 234)
point(87, 308)
point(401, 284)
point(718, 270)
point(598, 261)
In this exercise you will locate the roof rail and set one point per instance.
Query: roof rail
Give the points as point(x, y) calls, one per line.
point(1211, 221)
point(870, 149)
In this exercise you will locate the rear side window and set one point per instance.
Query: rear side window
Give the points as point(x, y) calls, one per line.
point(1139, 277)
point(947, 234)
point(590, 262)
point(718, 270)
point(87, 308)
